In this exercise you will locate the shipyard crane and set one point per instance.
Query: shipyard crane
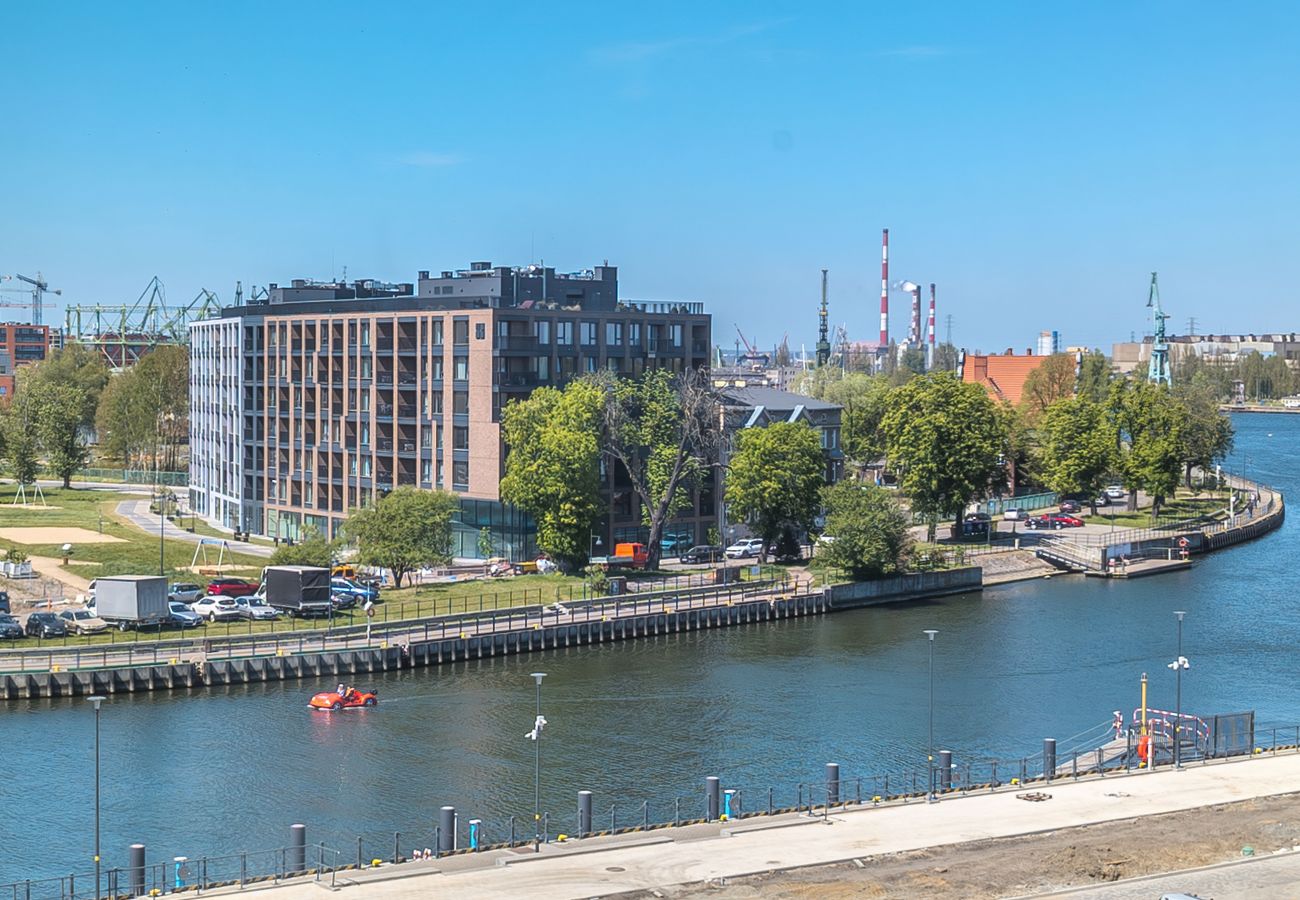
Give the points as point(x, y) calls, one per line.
point(39, 288)
point(753, 356)
point(1158, 370)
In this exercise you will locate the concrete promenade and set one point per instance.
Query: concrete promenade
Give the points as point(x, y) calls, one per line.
point(604, 866)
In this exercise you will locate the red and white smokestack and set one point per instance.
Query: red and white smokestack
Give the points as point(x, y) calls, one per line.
point(932, 314)
point(914, 333)
point(884, 290)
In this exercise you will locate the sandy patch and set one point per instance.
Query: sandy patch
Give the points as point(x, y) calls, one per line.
point(53, 568)
point(30, 508)
point(69, 535)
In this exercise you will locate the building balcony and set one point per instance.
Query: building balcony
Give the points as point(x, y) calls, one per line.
point(520, 379)
point(518, 342)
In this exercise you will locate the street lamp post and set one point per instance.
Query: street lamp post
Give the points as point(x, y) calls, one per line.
point(593, 544)
point(97, 700)
point(929, 756)
point(162, 520)
point(536, 736)
point(1180, 662)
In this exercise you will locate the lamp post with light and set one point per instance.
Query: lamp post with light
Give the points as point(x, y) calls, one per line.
point(97, 700)
point(929, 756)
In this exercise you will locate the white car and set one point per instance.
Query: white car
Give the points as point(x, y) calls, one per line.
point(255, 607)
point(1015, 515)
point(746, 548)
point(218, 609)
point(1116, 492)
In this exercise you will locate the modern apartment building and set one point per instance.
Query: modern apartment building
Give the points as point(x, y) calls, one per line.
point(20, 344)
point(309, 405)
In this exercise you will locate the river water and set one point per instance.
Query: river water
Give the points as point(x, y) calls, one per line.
point(229, 769)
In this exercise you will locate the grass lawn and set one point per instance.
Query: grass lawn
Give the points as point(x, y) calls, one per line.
point(96, 511)
point(1184, 506)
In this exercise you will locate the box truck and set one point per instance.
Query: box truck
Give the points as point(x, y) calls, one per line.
point(298, 590)
point(132, 601)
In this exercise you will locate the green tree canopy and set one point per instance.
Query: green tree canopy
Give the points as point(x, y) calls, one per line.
point(404, 530)
point(21, 445)
point(553, 464)
point(78, 367)
point(867, 534)
point(864, 399)
point(57, 409)
point(775, 477)
point(946, 440)
point(662, 428)
point(1095, 377)
point(1149, 424)
point(1052, 380)
point(143, 413)
point(1208, 435)
point(1076, 447)
point(312, 550)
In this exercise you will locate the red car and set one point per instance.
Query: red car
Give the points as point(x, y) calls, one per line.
point(1054, 520)
point(230, 587)
point(351, 698)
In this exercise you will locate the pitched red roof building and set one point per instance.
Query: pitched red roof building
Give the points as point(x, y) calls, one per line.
point(1003, 374)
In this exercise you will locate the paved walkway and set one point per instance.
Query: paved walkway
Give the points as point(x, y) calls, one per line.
point(137, 513)
point(1259, 878)
point(703, 853)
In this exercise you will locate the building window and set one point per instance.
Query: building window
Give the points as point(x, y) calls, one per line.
point(590, 363)
point(365, 366)
point(365, 334)
point(634, 334)
point(460, 438)
point(460, 403)
point(543, 368)
point(437, 332)
point(542, 328)
point(564, 333)
point(588, 334)
point(435, 403)
point(460, 331)
point(436, 371)
point(480, 331)
point(830, 438)
point(426, 471)
point(365, 434)
point(675, 335)
point(460, 474)
point(613, 334)
point(442, 475)
point(426, 437)
point(462, 368)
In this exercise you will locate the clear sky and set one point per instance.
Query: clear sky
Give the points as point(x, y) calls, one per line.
point(1036, 160)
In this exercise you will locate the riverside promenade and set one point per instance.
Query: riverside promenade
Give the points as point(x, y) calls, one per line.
point(603, 866)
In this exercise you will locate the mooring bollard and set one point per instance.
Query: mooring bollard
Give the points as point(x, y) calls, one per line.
point(584, 813)
point(832, 784)
point(712, 797)
point(135, 870)
point(1049, 758)
point(446, 829)
point(297, 849)
point(945, 770)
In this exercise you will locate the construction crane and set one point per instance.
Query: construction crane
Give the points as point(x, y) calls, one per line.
point(1158, 370)
point(123, 333)
point(753, 356)
point(39, 288)
point(823, 340)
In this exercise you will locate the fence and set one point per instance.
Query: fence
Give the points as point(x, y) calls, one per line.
point(407, 631)
point(1092, 754)
point(136, 476)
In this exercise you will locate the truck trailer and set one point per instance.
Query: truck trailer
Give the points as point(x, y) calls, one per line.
point(132, 601)
point(298, 590)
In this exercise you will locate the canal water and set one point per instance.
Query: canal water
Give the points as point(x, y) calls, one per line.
point(764, 705)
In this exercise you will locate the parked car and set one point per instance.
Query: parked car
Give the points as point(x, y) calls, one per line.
point(1015, 515)
point(1055, 521)
point(357, 591)
point(674, 542)
point(217, 609)
point(230, 587)
point(10, 627)
point(745, 548)
point(978, 517)
point(1116, 492)
point(705, 553)
point(1071, 506)
point(46, 625)
point(256, 608)
point(4, 602)
point(185, 592)
point(182, 616)
point(83, 621)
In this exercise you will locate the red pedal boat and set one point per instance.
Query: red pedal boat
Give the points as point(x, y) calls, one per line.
point(332, 701)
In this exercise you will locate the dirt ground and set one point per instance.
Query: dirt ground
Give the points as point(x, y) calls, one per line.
point(1010, 867)
point(59, 535)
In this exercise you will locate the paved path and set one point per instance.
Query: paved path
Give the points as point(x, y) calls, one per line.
point(137, 513)
point(702, 853)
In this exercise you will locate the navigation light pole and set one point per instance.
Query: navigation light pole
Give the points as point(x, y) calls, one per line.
point(929, 756)
point(97, 700)
point(1179, 663)
point(536, 736)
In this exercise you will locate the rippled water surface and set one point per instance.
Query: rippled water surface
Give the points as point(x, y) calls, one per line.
point(230, 769)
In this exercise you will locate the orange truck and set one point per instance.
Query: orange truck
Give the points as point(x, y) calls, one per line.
point(629, 556)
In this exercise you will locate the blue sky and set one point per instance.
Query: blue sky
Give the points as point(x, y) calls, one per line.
point(1037, 161)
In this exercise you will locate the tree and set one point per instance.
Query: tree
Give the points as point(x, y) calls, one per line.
point(945, 358)
point(404, 530)
point(21, 447)
point(143, 413)
point(1208, 435)
point(864, 399)
point(867, 534)
point(775, 478)
point(553, 464)
point(1076, 447)
point(78, 367)
point(1148, 426)
point(663, 429)
point(946, 440)
point(57, 410)
point(1052, 380)
point(1094, 377)
point(312, 550)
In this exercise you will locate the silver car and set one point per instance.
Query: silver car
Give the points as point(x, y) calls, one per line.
point(255, 607)
point(185, 592)
point(83, 621)
point(183, 616)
